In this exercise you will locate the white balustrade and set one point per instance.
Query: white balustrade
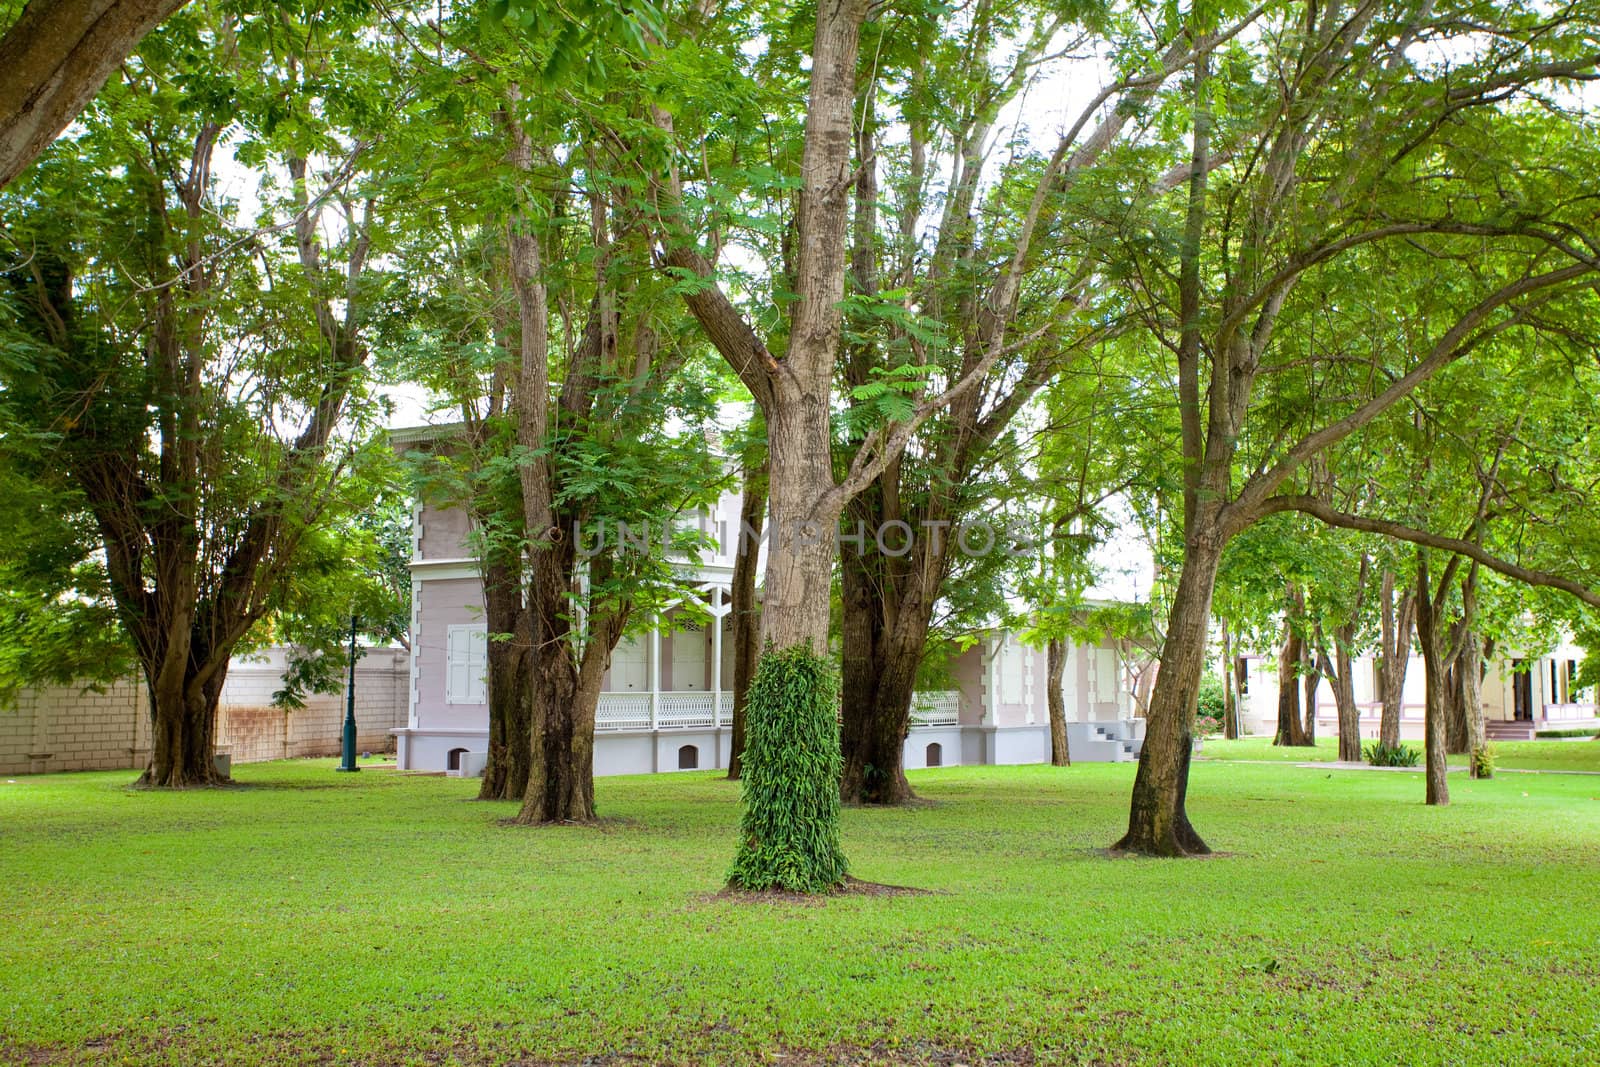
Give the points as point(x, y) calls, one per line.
point(940, 708)
point(623, 711)
point(1570, 712)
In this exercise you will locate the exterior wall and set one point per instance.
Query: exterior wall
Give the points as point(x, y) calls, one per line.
point(253, 730)
point(71, 729)
point(444, 603)
point(1498, 701)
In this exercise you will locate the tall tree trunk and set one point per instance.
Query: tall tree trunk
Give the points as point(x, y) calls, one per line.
point(1291, 656)
point(1470, 668)
point(1055, 669)
point(54, 59)
point(1312, 680)
point(1433, 665)
point(505, 775)
point(746, 612)
point(1344, 694)
point(1454, 699)
point(1230, 686)
point(1394, 656)
point(1158, 822)
point(875, 713)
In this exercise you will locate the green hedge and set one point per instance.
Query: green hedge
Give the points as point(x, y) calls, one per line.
point(790, 829)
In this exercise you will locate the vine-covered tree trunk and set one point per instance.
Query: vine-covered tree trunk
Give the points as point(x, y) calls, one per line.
point(1055, 669)
point(746, 612)
point(1158, 822)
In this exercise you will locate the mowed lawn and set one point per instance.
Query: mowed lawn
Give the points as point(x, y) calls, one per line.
point(312, 917)
point(1546, 755)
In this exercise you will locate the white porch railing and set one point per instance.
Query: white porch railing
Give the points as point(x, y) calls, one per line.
point(623, 711)
point(1570, 712)
point(674, 711)
point(939, 708)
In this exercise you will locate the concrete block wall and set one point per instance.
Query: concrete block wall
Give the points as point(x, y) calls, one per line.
point(68, 728)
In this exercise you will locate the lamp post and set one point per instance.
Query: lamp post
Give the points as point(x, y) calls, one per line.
point(347, 761)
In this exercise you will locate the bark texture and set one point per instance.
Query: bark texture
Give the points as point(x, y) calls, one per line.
point(1397, 623)
point(1055, 668)
point(1158, 819)
point(1433, 665)
point(746, 612)
point(54, 59)
point(1291, 664)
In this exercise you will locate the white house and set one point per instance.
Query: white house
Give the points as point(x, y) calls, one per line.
point(667, 701)
point(1521, 695)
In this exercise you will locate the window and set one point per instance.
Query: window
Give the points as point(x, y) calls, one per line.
point(629, 672)
point(688, 660)
point(467, 665)
point(688, 758)
point(1105, 675)
point(935, 755)
point(1010, 672)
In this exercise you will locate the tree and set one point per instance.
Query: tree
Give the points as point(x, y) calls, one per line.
point(1343, 162)
point(206, 419)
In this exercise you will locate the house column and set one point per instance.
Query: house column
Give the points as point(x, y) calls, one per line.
point(716, 661)
point(655, 675)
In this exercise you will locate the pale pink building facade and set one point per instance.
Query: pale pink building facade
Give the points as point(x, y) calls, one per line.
point(667, 701)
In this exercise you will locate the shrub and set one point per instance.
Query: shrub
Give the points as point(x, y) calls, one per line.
point(1381, 755)
point(790, 828)
point(1211, 701)
point(1483, 762)
point(1206, 726)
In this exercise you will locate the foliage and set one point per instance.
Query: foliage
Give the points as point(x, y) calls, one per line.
point(790, 827)
point(1484, 761)
point(1381, 755)
point(1211, 698)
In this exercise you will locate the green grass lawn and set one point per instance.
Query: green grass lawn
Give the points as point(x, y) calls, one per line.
point(1549, 755)
point(311, 917)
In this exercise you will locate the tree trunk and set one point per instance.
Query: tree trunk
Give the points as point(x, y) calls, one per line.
point(505, 776)
point(1230, 686)
point(1313, 679)
point(54, 59)
point(1344, 693)
point(880, 680)
point(1158, 823)
point(1291, 731)
point(1428, 636)
point(1394, 657)
point(746, 612)
point(1454, 698)
point(183, 736)
point(561, 776)
point(1055, 668)
point(1470, 668)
